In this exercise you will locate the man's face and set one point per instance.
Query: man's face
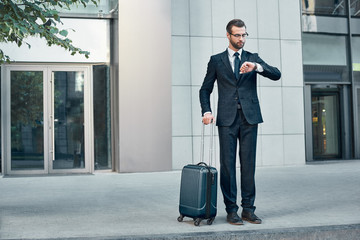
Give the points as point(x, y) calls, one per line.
point(238, 41)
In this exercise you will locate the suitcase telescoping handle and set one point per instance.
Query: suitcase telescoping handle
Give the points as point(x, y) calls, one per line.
point(202, 152)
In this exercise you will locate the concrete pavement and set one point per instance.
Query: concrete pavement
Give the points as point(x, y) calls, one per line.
point(318, 201)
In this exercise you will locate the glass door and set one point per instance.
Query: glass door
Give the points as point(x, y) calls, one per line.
point(48, 121)
point(326, 125)
point(67, 120)
point(27, 120)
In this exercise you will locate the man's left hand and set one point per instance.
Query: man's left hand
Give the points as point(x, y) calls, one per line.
point(247, 67)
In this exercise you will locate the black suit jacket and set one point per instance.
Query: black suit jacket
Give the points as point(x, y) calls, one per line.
point(232, 91)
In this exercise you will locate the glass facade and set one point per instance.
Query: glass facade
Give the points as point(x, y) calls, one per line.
point(332, 72)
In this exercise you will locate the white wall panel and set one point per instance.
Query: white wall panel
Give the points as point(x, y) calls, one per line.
point(251, 45)
point(222, 12)
point(200, 18)
point(180, 17)
point(201, 50)
point(272, 110)
point(290, 26)
point(269, 51)
point(181, 111)
point(294, 149)
point(182, 152)
point(220, 44)
point(247, 11)
point(272, 150)
point(291, 63)
point(180, 60)
point(293, 110)
point(268, 19)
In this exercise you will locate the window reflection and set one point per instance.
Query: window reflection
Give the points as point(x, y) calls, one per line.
point(324, 7)
point(27, 128)
point(355, 8)
point(69, 142)
point(322, 49)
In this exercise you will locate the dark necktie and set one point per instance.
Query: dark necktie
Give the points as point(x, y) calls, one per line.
point(237, 65)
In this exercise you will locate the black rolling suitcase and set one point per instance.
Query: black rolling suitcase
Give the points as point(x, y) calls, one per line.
point(198, 189)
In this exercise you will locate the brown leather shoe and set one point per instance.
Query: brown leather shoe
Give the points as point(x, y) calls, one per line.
point(250, 217)
point(233, 218)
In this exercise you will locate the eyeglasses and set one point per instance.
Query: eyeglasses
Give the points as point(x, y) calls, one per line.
point(240, 35)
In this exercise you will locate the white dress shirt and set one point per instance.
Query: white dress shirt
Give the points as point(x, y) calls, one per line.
point(231, 56)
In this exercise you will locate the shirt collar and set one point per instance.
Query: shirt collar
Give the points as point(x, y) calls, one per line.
point(231, 52)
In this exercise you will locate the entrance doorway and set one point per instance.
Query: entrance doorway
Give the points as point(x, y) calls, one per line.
point(326, 130)
point(46, 124)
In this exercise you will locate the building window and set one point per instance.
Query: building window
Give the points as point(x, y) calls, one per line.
point(102, 117)
point(324, 7)
point(322, 65)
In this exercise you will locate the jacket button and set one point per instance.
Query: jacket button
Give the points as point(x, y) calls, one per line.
point(236, 98)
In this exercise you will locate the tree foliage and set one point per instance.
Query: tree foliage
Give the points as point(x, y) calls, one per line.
point(20, 19)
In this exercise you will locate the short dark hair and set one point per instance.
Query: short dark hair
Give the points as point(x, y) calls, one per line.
point(236, 23)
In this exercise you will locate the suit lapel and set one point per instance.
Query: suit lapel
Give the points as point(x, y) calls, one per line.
point(225, 60)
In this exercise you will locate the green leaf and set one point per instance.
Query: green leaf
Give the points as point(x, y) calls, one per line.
point(20, 19)
point(54, 30)
point(63, 33)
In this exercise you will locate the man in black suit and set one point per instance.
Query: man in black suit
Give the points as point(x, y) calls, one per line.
point(235, 71)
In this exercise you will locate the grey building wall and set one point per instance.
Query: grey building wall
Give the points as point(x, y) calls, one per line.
point(274, 27)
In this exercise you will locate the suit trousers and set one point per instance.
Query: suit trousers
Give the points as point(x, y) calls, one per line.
point(246, 134)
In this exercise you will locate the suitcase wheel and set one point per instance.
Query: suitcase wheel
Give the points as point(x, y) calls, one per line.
point(197, 221)
point(180, 218)
point(210, 221)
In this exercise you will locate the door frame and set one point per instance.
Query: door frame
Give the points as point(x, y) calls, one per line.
point(47, 106)
point(344, 111)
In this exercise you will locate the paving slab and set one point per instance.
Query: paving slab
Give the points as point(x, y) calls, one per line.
point(311, 199)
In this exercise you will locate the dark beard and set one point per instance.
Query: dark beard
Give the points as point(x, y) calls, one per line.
point(237, 46)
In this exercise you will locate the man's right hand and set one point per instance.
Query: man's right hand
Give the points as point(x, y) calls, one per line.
point(208, 118)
